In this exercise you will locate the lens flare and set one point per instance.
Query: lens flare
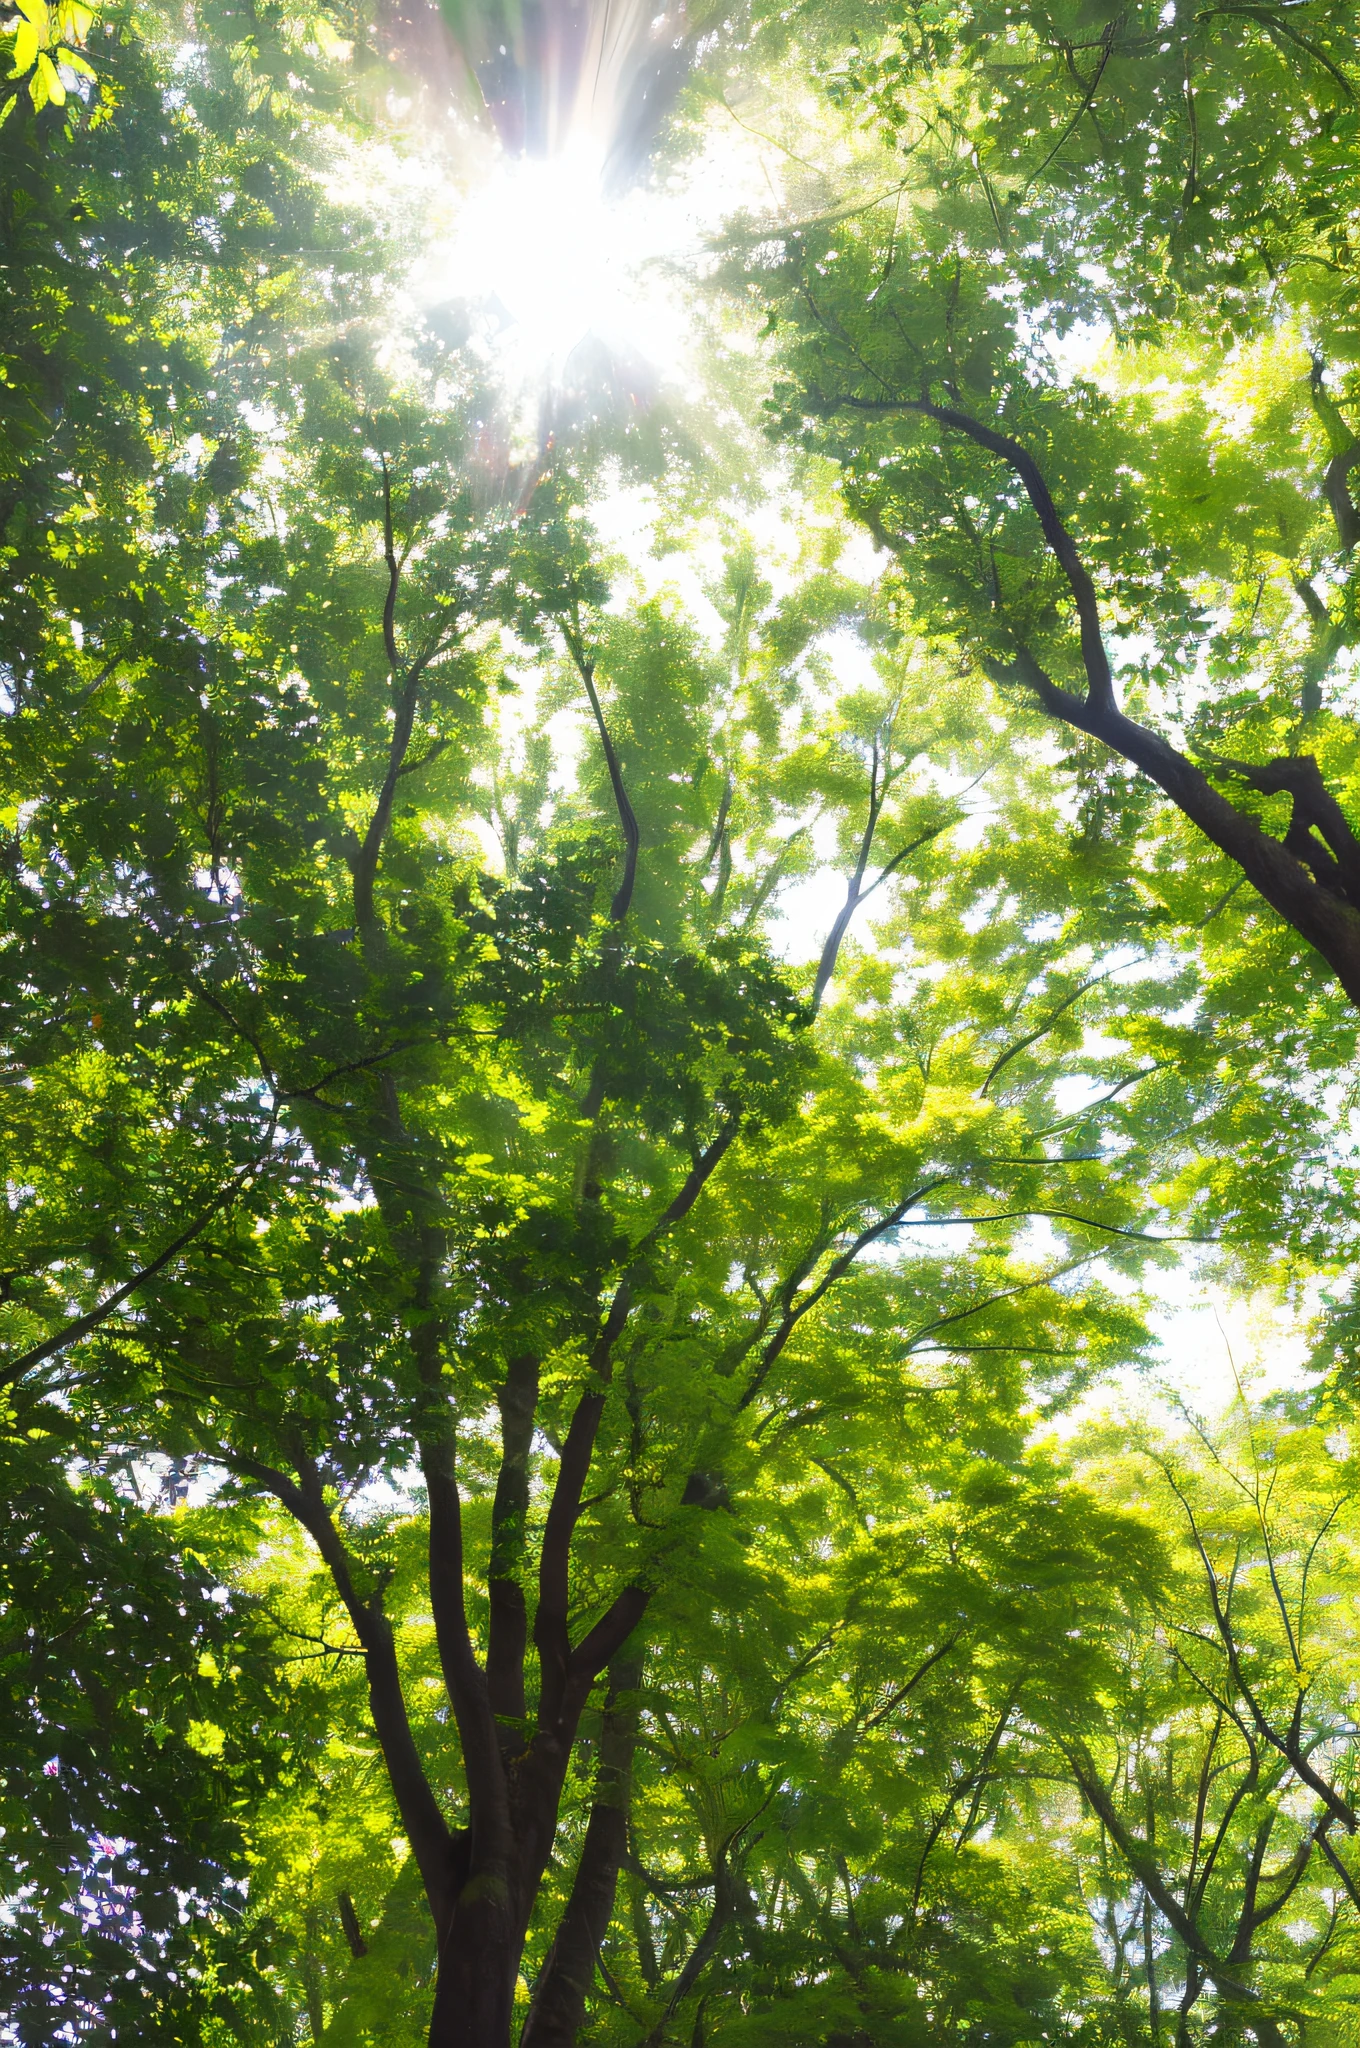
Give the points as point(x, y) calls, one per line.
point(540, 244)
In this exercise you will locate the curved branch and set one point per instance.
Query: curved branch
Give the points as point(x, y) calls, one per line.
point(426, 1829)
point(1336, 487)
point(560, 1666)
point(1022, 1044)
point(1096, 661)
point(856, 893)
point(1319, 914)
point(585, 668)
point(83, 1325)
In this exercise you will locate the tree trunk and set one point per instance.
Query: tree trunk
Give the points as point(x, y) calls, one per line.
point(479, 1955)
point(474, 1998)
point(559, 2002)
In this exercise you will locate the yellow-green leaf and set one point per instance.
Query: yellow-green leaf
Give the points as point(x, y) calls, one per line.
point(73, 21)
point(25, 49)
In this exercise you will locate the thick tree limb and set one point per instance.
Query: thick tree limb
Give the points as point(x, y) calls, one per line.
point(1336, 863)
point(550, 1622)
point(508, 1632)
point(464, 1678)
point(557, 1662)
point(349, 1920)
point(1325, 919)
point(1095, 660)
point(1336, 487)
point(601, 1644)
point(1345, 447)
point(694, 1183)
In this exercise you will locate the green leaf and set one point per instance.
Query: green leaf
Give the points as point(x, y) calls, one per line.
point(25, 51)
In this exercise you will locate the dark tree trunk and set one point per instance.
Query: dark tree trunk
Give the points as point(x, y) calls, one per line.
point(474, 1999)
point(559, 2002)
point(479, 1955)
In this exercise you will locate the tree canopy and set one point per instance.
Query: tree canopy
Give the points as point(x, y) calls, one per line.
point(590, 1111)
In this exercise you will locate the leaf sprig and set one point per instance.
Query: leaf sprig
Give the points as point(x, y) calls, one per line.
point(44, 44)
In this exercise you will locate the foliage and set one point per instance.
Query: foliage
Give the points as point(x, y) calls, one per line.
point(143, 1721)
point(1120, 485)
point(590, 1132)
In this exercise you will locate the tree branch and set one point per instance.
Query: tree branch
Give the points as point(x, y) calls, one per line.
point(585, 668)
point(855, 892)
point(1329, 923)
point(551, 1636)
point(1099, 681)
point(426, 1829)
point(1288, 1748)
point(557, 1662)
point(508, 1631)
point(464, 1678)
point(1140, 1862)
point(795, 1310)
point(559, 1999)
point(694, 1183)
point(72, 1332)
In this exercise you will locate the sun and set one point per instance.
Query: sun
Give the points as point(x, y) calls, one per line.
point(560, 251)
point(554, 257)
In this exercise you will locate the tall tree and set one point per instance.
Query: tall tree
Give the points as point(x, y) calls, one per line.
point(415, 1133)
point(512, 1162)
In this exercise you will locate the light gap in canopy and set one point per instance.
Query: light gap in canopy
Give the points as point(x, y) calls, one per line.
point(564, 235)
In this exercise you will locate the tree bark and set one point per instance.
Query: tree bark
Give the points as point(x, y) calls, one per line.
point(559, 2001)
point(474, 1998)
